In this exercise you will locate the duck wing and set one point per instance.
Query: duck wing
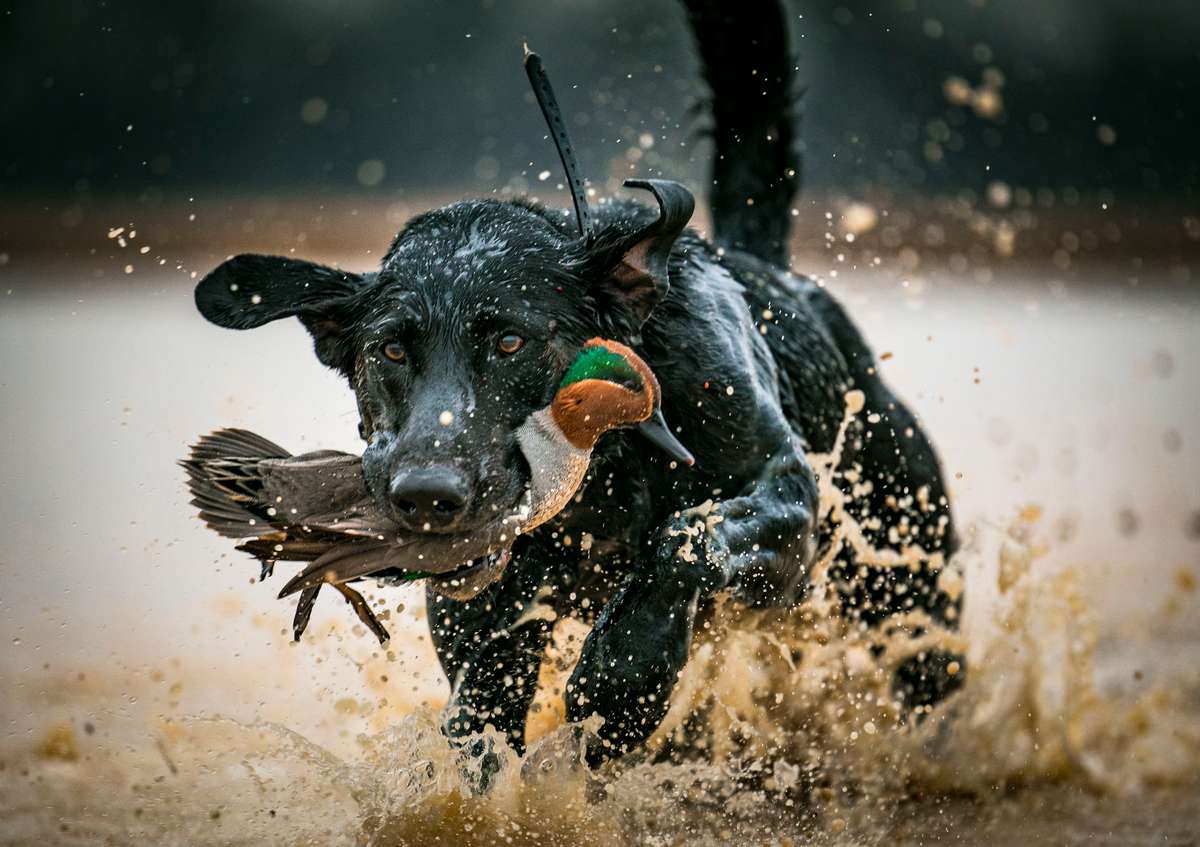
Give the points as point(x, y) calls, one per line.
point(316, 487)
point(419, 556)
point(315, 507)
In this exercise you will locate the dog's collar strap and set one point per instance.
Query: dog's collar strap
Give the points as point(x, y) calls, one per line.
point(558, 131)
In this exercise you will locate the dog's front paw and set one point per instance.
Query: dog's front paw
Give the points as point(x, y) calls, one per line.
point(691, 556)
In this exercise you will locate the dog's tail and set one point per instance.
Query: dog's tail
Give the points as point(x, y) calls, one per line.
point(746, 62)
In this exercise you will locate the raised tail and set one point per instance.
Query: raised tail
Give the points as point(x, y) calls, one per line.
point(756, 163)
point(225, 484)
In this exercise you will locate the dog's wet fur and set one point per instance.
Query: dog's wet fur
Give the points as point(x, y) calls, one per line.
point(754, 364)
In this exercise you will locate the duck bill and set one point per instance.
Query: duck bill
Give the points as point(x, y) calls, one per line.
point(656, 431)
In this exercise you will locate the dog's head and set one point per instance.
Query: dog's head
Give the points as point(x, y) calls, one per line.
point(463, 332)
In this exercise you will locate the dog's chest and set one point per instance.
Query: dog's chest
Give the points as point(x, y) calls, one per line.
point(608, 518)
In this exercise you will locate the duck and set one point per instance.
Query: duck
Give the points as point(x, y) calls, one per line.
point(315, 507)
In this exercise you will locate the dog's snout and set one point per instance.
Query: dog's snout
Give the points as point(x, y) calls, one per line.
point(429, 498)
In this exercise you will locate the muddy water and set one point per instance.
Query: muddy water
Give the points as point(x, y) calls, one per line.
point(152, 695)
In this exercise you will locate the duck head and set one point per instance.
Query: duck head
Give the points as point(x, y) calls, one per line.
point(608, 386)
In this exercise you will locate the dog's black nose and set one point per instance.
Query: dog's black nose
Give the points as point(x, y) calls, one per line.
point(429, 498)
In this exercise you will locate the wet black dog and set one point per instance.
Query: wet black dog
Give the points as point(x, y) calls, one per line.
point(465, 330)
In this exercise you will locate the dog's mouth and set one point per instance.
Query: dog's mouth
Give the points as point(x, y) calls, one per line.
point(469, 578)
point(448, 574)
point(466, 581)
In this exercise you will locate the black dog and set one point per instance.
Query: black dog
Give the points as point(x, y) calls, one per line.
point(475, 312)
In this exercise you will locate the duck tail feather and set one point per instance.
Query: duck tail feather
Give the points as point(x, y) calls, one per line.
point(224, 480)
point(233, 443)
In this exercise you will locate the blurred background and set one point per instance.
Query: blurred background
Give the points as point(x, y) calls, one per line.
point(1004, 193)
point(277, 112)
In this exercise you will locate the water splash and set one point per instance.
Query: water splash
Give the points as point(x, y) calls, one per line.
point(783, 726)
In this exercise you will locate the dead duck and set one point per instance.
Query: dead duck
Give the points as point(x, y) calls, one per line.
point(315, 507)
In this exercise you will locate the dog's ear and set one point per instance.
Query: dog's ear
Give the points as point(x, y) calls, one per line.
point(633, 266)
point(250, 290)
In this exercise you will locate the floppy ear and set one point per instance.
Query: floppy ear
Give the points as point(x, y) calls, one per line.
point(636, 264)
point(250, 290)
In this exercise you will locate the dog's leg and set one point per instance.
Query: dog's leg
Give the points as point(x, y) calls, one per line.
point(490, 648)
point(758, 544)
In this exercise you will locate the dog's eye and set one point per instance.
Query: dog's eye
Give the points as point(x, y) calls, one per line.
point(394, 351)
point(510, 343)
